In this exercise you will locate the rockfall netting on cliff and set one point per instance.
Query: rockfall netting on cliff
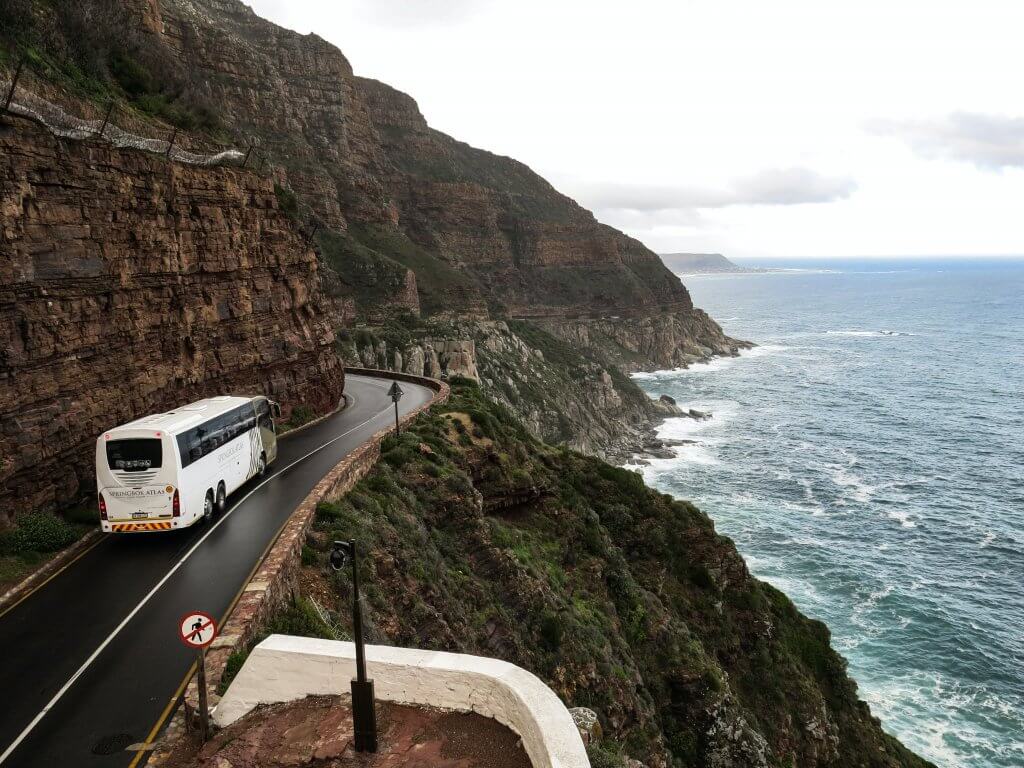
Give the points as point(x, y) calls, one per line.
point(62, 123)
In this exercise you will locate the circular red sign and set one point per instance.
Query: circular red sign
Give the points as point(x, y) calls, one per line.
point(197, 629)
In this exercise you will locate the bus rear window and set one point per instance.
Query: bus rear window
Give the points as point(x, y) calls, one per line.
point(134, 455)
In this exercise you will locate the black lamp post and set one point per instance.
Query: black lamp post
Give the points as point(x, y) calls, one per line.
point(364, 715)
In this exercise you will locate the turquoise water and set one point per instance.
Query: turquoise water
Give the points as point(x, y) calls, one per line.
point(868, 459)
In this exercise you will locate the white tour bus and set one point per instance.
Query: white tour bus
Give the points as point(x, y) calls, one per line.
point(170, 470)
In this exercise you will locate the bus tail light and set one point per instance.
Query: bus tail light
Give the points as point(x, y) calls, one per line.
point(176, 504)
point(103, 507)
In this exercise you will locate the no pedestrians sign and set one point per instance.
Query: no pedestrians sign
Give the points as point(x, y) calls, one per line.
point(197, 629)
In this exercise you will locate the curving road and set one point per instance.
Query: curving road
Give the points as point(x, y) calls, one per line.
point(91, 661)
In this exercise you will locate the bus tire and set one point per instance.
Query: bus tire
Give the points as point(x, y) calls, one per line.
point(222, 498)
point(208, 507)
point(261, 468)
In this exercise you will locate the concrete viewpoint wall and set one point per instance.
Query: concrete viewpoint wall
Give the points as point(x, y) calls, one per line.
point(284, 668)
point(276, 578)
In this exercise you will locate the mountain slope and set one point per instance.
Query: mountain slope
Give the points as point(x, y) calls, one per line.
point(480, 539)
point(482, 234)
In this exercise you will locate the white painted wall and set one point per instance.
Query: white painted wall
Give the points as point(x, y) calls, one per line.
point(285, 668)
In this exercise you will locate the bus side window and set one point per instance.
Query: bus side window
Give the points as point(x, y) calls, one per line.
point(246, 418)
point(230, 426)
point(189, 446)
point(185, 449)
point(207, 441)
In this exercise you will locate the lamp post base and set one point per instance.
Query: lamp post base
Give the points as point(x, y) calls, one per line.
point(364, 716)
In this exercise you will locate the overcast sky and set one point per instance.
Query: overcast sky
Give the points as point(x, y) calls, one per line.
point(784, 128)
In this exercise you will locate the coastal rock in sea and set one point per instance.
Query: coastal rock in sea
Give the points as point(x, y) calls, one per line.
point(666, 407)
point(693, 413)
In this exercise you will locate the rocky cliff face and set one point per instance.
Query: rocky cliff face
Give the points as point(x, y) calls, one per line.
point(563, 393)
point(413, 221)
point(483, 234)
point(129, 285)
point(668, 340)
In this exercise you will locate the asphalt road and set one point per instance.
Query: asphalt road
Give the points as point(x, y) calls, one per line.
point(92, 659)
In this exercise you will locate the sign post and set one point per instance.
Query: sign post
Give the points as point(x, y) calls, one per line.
point(395, 393)
point(197, 630)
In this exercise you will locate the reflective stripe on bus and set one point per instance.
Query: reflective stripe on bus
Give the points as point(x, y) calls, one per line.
point(129, 527)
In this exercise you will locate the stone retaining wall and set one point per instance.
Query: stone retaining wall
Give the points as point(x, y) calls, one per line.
point(275, 579)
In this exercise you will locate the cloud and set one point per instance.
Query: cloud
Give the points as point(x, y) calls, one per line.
point(775, 186)
point(990, 142)
point(418, 13)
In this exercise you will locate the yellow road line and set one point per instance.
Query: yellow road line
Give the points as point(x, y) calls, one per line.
point(192, 670)
point(163, 716)
point(50, 578)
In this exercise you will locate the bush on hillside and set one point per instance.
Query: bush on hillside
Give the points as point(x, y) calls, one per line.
point(38, 532)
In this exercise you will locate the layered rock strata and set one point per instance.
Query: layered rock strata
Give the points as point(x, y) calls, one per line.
point(130, 285)
point(484, 234)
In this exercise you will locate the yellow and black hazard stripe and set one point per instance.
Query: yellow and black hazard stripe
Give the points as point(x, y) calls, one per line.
point(130, 527)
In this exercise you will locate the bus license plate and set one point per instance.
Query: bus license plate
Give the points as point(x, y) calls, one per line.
point(137, 515)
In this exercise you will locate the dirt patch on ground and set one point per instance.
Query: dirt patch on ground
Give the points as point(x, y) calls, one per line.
point(317, 732)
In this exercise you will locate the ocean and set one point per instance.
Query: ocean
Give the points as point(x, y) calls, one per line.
point(868, 459)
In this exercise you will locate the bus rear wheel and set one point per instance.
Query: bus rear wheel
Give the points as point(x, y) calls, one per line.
point(261, 467)
point(208, 507)
point(222, 499)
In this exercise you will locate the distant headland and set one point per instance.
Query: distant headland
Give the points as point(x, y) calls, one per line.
point(704, 264)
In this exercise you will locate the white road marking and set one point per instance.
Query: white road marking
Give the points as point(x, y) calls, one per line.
point(81, 670)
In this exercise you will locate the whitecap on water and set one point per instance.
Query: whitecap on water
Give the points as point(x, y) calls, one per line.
point(712, 366)
point(859, 490)
point(903, 517)
point(879, 334)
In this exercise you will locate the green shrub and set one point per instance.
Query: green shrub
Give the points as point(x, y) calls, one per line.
point(231, 669)
point(302, 619)
point(286, 200)
point(300, 415)
point(552, 629)
point(604, 758)
point(309, 555)
point(328, 512)
point(701, 577)
point(462, 382)
point(365, 338)
point(38, 532)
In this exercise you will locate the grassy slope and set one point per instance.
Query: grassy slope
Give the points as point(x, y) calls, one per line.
point(484, 540)
point(94, 52)
point(37, 538)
